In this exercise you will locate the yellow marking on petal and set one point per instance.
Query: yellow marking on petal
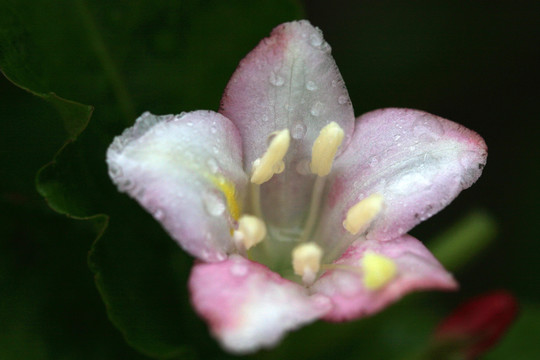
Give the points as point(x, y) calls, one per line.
point(271, 162)
point(362, 214)
point(251, 231)
point(229, 191)
point(325, 148)
point(379, 270)
point(306, 261)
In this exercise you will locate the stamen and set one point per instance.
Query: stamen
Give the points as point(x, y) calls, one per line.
point(271, 162)
point(362, 214)
point(306, 260)
point(325, 148)
point(251, 231)
point(379, 270)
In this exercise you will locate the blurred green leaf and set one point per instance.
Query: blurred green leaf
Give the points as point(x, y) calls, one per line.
point(125, 58)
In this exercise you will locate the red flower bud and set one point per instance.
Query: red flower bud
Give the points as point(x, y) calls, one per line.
point(479, 323)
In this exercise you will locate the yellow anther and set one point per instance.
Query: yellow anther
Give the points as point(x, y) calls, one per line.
point(251, 231)
point(325, 148)
point(378, 270)
point(362, 214)
point(271, 162)
point(306, 260)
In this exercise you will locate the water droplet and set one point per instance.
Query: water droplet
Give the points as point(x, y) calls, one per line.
point(334, 83)
point(298, 131)
point(431, 127)
point(115, 172)
point(311, 86)
point(215, 149)
point(127, 185)
point(412, 148)
point(279, 167)
point(397, 137)
point(264, 118)
point(213, 128)
point(276, 80)
point(212, 165)
point(317, 108)
point(373, 161)
point(342, 99)
point(213, 204)
point(179, 116)
point(302, 166)
point(189, 123)
point(238, 269)
point(325, 47)
point(159, 214)
point(315, 40)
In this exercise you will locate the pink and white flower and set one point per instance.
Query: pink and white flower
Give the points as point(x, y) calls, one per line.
point(295, 210)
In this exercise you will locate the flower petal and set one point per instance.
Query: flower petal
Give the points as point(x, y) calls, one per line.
point(187, 171)
point(247, 306)
point(418, 162)
point(346, 286)
point(289, 81)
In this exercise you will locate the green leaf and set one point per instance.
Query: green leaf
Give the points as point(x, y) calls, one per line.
point(162, 56)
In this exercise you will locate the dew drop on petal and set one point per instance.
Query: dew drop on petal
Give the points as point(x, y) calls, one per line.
point(159, 214)
point(397, 137)
point(315, 40)
point(279, 167)
point(342, 100)
point(215, 149)
point(213, 128)
point(334, 83)
point(302, 167)
point(238, 269)
point(213, 204)
point(127, 185)
point(115, 172)
point(212, 165)
point(311, 86)
point(432, 128)
point(317, 108)
point(179, 116)
point(298, 131)
point(373, 161)
point(276, 80)
point(264, 118)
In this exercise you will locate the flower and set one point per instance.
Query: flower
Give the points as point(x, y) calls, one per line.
point(295, 210)
point(476, 326)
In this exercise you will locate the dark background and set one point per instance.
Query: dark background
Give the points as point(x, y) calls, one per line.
point(472, 62)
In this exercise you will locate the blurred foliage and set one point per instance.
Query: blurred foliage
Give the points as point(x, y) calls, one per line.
point(84, 69)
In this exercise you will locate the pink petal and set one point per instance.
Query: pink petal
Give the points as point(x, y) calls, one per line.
point(247, 306)
point(417, 269)
point(172, 166)
point(417, 161)
point(290, 80)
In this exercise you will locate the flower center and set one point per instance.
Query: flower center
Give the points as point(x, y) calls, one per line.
point(299, 259)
